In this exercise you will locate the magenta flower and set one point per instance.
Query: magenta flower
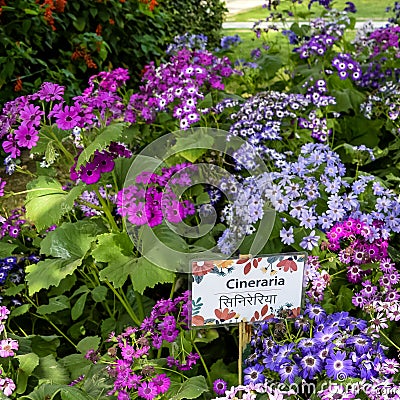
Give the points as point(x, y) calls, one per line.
point(148, 390)
point(50, 92)
point(90, 173)
point(26, 136)
point(67, 118)
point(2, 184)
point(162, 382)
point(136, 214)
point(220, 386)
point(31, 115)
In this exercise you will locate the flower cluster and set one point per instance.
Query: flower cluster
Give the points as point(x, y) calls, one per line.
point(316, 46)
point(347, 67)
point(152, 198)
point(22, 118)
point(131, 367)
point(337, 345)
point(7, 347)
point(90, 204)
point(101, 162)
point(249, 392)
point(11, 226)
point(272, 115)
point(178, 85)
point(187, 41)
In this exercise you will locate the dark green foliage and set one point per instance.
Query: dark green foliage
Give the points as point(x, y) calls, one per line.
point(67, 45)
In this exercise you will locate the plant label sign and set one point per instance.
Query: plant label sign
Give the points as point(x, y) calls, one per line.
point(247, 289)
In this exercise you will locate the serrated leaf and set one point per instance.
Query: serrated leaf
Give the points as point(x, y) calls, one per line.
point(111, 245)
point(7, 249)
point(88, 343)
point(20, 310)
point(27, 363)
point(76, 364)
point(79, 306)
point(12, 291)
point(71, 393)
point(70, 240)
point(47, 202)
point(50, 371)
point(143, 273)
point(55, 304)
point(49, 273)
point(192, 388)
point(44, 345)
point(192, 146)
point(111, 133)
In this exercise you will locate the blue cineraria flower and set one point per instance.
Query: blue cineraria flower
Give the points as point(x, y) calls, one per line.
point(310, 241)
point(287, 236)
point(253, 374)
point(338, 366)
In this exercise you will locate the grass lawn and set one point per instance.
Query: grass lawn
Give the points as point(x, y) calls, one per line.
point(366, 9)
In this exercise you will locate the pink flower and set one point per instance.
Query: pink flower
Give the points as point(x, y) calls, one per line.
point(7, 346)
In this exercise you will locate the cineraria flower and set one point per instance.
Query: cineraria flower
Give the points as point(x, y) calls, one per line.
point(219, 386)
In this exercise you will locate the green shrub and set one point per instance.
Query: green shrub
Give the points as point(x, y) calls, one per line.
point(196, 17)
point(66, 42)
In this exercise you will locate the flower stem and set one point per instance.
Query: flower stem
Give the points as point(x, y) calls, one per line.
point(106, 210)
point(204, 364)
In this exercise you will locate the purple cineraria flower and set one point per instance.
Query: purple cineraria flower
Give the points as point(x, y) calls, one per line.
point(254, 374)
point(310, 241)
point(148, 390)
point(338, 367)
point(220, 386)
point(50, 92)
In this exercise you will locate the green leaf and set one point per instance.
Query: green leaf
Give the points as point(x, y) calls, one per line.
point(111, 133)
point(70, 240)
point(69, 243)
point(88, 343)
point(13, 290)
point(76, 364)
point(27, 363)
point(7, 249)
point(220, 369)
point(49, 273)
point(47, 202)
point(20, 310)
point(143, 273)
point(344, 299)
point(44, 345)
point(55, 304)
point(192, 388)
point(50, 371)
point(99, 293)
point(79, 306)
point(192, 146)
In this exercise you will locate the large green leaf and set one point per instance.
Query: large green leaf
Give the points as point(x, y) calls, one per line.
point(69, 243)
point(190, 389)
point(27, 363)
point(55, 304)
point(70, 240)
point(88, 343)
point(50, 371)
point(143, 273)
point(47, 202)
point(111, 133)
point(49, 273)
point(51, 391)
point(6, 249)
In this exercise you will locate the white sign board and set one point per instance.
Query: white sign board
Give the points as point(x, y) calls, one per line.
point(246, 289)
